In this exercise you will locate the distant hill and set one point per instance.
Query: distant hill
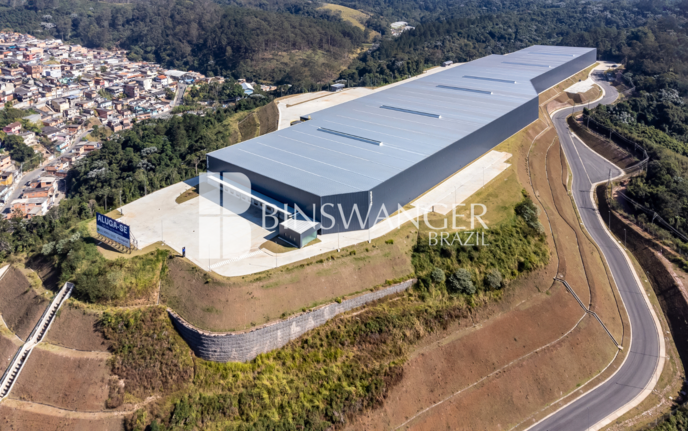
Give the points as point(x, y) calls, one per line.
point(303, 49)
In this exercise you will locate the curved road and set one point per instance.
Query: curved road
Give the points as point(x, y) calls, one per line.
point(636, 373)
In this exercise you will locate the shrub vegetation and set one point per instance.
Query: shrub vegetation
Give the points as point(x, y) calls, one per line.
point(335, 371)
point(515, 246)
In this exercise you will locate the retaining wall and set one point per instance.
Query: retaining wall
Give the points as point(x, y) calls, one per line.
point(243, 347)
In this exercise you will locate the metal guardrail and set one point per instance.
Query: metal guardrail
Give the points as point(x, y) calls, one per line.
point(589, 311)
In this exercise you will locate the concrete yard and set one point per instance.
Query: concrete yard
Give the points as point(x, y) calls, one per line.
point(293, 107)
point(581, 86)
point(158, 217)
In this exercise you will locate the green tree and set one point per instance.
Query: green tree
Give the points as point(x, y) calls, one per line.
point(18, 150)
point(437, 276)
point(460, 282)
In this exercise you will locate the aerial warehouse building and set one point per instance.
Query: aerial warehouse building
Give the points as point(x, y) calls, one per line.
point(392, 146)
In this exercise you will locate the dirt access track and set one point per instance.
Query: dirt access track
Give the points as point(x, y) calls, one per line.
point(536, 346)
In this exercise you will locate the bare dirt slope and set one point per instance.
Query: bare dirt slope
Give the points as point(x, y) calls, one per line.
point(65, 379)
point(268, 118)
point(17, 416)
point(76, 328)
point(20, 306)
point(221, 304)
point(609, 150)
point(8, 347)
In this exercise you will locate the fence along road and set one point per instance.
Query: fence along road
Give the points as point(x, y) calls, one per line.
point(638, 374)
point(14, 368)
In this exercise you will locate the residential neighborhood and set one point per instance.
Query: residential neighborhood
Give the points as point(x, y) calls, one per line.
point(68, 91)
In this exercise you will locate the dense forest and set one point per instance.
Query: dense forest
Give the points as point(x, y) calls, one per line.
point(613, 28)
point(656, 115)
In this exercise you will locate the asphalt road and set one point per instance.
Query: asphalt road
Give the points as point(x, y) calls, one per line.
point(643, 358)
point(32, 175)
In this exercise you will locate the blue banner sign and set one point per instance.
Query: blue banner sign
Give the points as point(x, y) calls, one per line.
point(112, 229)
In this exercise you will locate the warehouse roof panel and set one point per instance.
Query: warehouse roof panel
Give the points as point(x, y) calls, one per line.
point(359, 144)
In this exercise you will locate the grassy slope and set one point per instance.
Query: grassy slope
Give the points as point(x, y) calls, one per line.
point(353, 16)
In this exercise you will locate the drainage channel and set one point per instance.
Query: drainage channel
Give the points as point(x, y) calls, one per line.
point(12, 372)
point(589, 311)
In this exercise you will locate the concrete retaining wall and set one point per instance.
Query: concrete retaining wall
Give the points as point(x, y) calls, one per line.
point(243, 347)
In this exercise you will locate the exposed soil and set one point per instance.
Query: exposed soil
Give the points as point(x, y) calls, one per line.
point(35, 417)
point(236, 303)
point(8, 348)
point(64, 379)
point(608, 149)
point(525, 386)
point(47, 272)
point(76, 328)
point(20, 306)
point(465, 356)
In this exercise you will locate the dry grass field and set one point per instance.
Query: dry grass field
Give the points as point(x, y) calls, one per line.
point(353, 16)
point(76, 328)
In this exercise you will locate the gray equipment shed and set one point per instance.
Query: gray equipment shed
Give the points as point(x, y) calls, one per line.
point(388, 148)
point(298, 231)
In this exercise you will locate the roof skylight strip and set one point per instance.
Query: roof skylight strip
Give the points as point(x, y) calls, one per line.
point(551, 53)
point(527, 64)
point(409, 111)
point(347, 135)
point(449, 87)
point(489, 79)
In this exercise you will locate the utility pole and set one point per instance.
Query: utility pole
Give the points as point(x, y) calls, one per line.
point(370, 206)
point(625, 239)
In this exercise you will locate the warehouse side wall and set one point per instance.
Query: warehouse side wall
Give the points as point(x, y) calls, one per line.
point(408, 185)
point(270, 187)
point(339, 212)
point(558, 74)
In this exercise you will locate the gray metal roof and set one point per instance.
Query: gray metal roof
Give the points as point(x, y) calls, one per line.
point(359, 144)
